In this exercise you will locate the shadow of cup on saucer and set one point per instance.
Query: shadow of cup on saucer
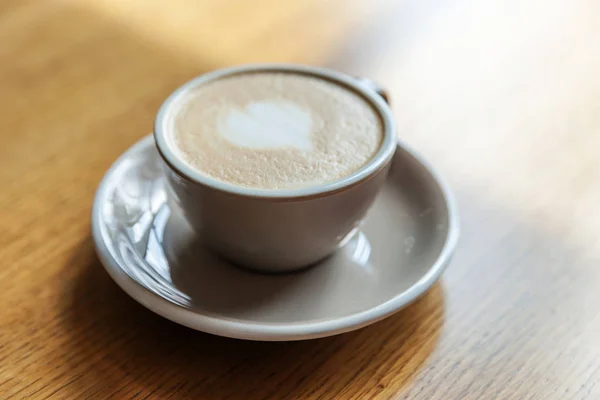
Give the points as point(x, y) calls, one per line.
point(218, 287)
point(136, 351)
point(211, 283)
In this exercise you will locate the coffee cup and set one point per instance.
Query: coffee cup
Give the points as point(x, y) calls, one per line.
point(273, 228)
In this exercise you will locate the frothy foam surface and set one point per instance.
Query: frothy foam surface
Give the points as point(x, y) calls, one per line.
point(275, 130)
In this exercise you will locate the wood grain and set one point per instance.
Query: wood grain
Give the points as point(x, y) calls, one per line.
point(502, 95)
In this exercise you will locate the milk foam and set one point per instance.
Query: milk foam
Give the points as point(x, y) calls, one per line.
point(268, 125)
point(274, 130)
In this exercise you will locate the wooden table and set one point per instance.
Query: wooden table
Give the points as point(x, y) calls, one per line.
point(502, 95)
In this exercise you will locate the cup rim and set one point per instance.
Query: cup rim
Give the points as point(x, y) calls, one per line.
point(379, 160)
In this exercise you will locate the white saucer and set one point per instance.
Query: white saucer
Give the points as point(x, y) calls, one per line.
point(404, 245)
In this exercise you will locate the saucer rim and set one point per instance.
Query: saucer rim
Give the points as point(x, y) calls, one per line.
point(241, 329)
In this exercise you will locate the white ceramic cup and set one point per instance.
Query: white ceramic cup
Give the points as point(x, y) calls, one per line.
point(275, 230)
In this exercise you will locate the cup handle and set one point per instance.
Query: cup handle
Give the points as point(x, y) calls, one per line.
point(369, 84)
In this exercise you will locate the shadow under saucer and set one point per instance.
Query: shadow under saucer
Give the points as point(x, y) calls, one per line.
point(136, 351)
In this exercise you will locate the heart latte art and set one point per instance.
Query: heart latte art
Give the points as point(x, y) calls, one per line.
point(274, 130)
point(268, 125)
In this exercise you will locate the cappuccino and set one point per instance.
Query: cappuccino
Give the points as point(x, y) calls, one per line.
point(274, 130)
